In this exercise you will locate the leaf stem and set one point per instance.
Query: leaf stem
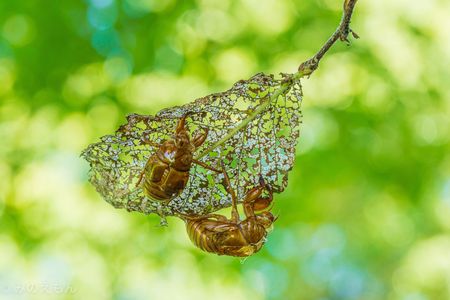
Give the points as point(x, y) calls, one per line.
point(342, 32)
point(305, 69)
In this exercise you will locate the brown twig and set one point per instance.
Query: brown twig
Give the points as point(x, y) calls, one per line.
point(308, 67)
point(305, 69)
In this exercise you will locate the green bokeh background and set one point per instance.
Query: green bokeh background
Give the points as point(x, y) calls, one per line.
point(366, 214)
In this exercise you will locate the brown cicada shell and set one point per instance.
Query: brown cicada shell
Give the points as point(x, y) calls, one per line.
point(215, 233)
point(166, 172)
point(264, 147)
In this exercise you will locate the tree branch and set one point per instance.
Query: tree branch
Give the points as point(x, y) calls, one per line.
point(305, 69)
point(308, 67)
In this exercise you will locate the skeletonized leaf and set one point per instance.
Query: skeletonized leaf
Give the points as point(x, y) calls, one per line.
point(265, 147)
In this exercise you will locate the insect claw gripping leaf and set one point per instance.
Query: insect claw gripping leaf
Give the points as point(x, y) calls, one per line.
point(264, 147)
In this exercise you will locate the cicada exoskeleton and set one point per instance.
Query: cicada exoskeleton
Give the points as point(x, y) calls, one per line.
point(166, 172)
point(234, 237)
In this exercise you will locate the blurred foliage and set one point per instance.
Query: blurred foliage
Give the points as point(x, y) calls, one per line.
point(366, 214)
